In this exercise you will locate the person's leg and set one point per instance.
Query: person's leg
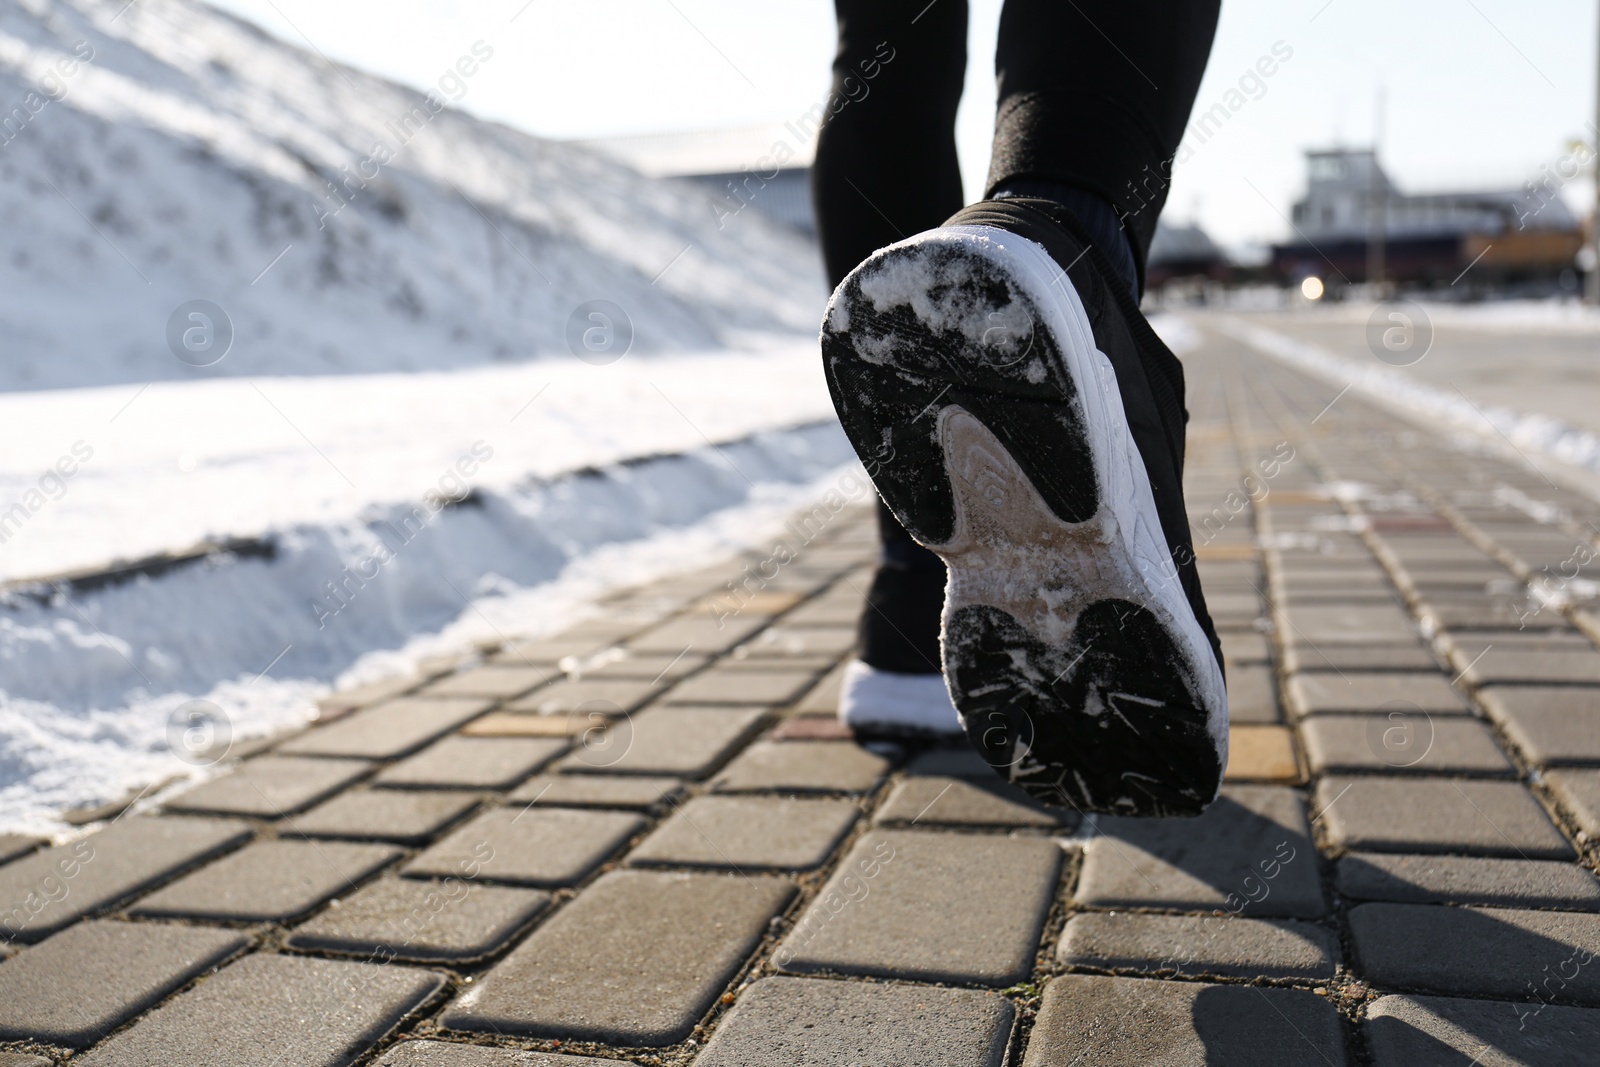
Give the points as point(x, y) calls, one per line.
point(1035, 422)
point(886, 168)
point(1094, 99)
point(885, 165)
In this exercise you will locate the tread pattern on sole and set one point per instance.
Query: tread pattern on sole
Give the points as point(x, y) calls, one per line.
point(993, 430)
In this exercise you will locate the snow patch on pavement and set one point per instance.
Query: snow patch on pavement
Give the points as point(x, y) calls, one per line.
point(1532, 433)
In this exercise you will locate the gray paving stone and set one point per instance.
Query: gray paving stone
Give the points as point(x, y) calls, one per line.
point(635, 960)
point(1315, 625)
point(1426, 815)
point(619, 663)
point(545, 847)
point(23, 1059)
point(308, 1012)
point(399, 918)
point(803, 1022)
point(495, 682)
point(77, 986)
point(445, 1054)
point(1395, 656)
point(1402, 741)
point(270, 787)
point(268, 881)
point(1408, 1031)
point(1198, 945)
point(687, 742)
point(1489, 659)
point(933, 801)
point(1134, 1022)
point(931, 907)
point(748, 833)
point(700, 633)
point(1505, 952)
point(1578, 791)
point(389, 730)
point(336, 705)
point(15, 845)
point(1553, 725)
point(1250, 853)
point(404, 817)
point(42, 892)
point(637, 792)
point(722, 685)
point(1349, 691)
point(472, 763)
point(1467, 880)
point(802, 767)
point(823, 698)
point(831, 610)
point(1245, 648)
point(1253, 695)
point(789, 641)
point(609, 696)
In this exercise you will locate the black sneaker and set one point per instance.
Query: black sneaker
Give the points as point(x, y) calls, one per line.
point(1035, 425)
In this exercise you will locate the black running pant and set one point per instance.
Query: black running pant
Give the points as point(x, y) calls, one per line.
point(1094, 95)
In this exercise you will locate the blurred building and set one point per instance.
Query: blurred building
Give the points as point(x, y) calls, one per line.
point(1180, 252)
point(759, 168)
point(1351, 205)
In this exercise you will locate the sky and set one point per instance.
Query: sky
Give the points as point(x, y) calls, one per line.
point(1475, 93)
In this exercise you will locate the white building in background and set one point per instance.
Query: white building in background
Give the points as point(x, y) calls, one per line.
point(758, 168)
point(1348, 199)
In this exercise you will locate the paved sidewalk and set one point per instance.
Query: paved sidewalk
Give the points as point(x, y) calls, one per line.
point(645, 840)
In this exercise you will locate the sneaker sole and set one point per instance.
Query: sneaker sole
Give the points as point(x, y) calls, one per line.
point(964, 370)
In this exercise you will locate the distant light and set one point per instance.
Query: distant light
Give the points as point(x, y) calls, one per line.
point(1311, 288)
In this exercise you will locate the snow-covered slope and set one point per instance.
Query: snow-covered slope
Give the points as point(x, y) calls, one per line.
point(162, 151)
point(401, 280)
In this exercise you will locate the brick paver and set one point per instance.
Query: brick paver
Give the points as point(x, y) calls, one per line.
point(537, 846)
point(1486, 818)
point(1578, 791)
point(472, 763)
point(79, 985)
point(596, 791)
point(266, 1009)
point(388, 730)
point(45, 891)
point(748, 833)
point(688, 742)
point(1479, 951)
point(635, 960)
point(799, 1022)
point(1250, 853)
point(1405, 1030)
point(268, 881)
point(935, 800)
point(271, 787)
point(1403, 741)
point(399, 918)
point(934, 907)
point(802, 767)
point(1402, 861)
point(1212, 946)
point(409, 818)
point(1467, 880)
point(1127, 1022)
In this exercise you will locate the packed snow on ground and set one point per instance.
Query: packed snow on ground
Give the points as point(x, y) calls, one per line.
point(1492, 424)
point(406, 331)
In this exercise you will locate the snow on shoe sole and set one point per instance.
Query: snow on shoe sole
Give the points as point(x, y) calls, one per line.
point(964, 370)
